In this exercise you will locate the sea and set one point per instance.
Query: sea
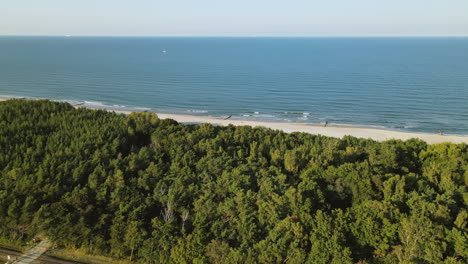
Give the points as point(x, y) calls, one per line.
point(414, 84)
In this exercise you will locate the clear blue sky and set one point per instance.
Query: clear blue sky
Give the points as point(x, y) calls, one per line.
point(234, 17)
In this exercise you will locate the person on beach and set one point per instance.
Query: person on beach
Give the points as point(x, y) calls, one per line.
point(326, 123)
point(440, 132)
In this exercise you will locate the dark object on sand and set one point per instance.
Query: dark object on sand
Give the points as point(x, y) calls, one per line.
point(440, 132)
point(228, 117)
point(326, 123)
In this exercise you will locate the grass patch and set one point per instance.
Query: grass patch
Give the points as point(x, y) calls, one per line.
point(13, 245)
point(80, 256)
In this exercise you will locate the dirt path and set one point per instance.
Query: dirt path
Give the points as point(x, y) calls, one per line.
point(34, 253)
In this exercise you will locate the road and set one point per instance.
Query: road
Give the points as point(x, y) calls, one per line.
point(34, 253)
point(44, 259)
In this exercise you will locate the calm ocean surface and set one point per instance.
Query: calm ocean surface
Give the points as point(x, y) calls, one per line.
point(409, 84)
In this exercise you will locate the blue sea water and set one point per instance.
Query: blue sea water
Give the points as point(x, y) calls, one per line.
point(410, 84)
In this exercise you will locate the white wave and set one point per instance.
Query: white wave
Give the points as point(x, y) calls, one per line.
point(95, 104)
point(197, 111)
point(7, 97)
point(141, 108)
point(265, 115)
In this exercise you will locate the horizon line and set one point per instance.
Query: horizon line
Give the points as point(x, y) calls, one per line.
point(245, 36)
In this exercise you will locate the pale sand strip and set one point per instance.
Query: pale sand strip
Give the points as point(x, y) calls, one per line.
point(34, 253)
point(331, 130)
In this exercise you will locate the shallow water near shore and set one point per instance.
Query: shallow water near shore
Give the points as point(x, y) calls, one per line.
point(408, 84)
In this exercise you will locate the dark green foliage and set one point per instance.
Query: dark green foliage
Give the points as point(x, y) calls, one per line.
point(156, 191)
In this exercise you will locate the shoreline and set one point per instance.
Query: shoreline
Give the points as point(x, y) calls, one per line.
point(331, 130)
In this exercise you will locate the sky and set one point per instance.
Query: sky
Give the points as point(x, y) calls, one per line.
point(235, 17)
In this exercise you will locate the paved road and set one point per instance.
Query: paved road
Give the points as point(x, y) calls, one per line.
point(44, 259)
point(34, 253)
point(13, 254)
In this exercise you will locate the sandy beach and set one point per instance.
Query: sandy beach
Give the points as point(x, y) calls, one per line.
point(331, 130)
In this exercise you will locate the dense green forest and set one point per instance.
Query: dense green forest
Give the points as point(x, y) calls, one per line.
point(156, 191)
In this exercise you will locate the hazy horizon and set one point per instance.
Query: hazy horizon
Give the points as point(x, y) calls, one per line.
point(295, 18)
point(244, 36)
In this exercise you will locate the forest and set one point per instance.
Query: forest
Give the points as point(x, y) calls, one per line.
point(152, 190)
